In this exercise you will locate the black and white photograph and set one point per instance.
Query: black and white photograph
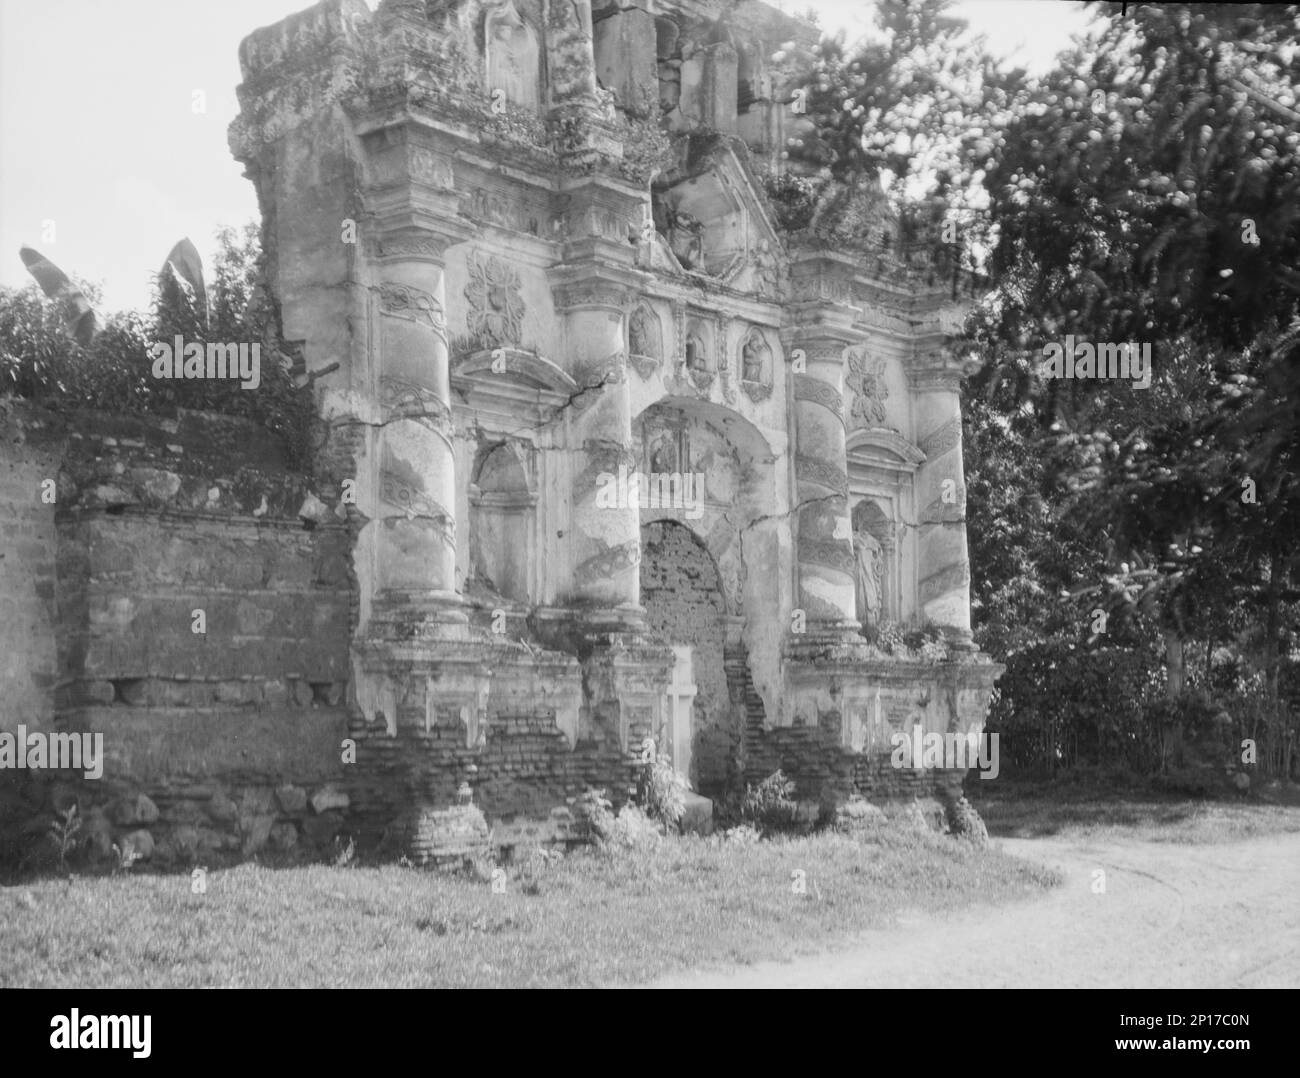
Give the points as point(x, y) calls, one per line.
point(689, 494)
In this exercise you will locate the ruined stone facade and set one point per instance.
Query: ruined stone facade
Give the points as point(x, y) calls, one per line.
point(534, 237)
point(604, 453)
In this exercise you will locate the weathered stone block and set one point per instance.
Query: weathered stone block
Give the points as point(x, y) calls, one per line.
point(284, 836)
point(329, 797)
point(256, 830)
point(222, 808)
point(292, 799)
point(320, 830)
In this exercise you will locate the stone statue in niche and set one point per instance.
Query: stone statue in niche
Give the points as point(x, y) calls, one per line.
point(869, 557)
point(686, 238)
point(753, 359)
point(767, 271)
point(695, 359)
point(512, 55)
point(663, 453)
point(643, 334)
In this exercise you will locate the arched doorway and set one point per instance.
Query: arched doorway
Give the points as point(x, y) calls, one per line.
point(682, 595)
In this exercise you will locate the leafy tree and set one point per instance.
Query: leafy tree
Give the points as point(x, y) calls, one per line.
point(1125, 205)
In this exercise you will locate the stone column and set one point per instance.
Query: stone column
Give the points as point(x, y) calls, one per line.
point(606, 539)
point(415, 545)
point(943, 565)
point(824, 535)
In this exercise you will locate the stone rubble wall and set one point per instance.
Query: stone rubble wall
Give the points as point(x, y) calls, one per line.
point(220, 743)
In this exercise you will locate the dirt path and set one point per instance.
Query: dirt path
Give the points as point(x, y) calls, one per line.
point(1172, 916)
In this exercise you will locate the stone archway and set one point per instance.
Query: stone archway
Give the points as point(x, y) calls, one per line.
point(681, 591)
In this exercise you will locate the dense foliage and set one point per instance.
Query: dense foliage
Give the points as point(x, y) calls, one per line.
point(38, 360)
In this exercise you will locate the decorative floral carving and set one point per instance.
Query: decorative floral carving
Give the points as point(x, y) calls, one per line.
point(942, 439)
point(949, 578)
point(610, 562)
point(831, 554)
point(869, 389)
point(403, 301)
point(807, 388)
point(410, 401)
point(414, 503)
point(756, 391)
point(821, 472)
point(496, 307)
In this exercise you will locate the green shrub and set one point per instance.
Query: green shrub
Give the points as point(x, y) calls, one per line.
point(770, 805)
point(660, 790)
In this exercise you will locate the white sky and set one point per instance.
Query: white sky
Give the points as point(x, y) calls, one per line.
point(98, 132)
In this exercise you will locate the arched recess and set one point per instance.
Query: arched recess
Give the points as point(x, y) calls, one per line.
point(502, 523)
point(740, 525)
point(875, 564)
point(681, 590)
point(882, 493)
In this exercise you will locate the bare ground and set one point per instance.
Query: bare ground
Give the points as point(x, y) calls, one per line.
point(1172, 916)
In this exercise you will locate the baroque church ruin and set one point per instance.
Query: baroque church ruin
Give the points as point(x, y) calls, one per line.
point(606, 452)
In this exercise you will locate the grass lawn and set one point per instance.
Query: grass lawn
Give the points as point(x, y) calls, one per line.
point(598, 919)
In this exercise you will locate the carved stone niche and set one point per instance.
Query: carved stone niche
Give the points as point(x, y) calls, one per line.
point(875, 564)
point(645, 342)
point(502, 535)
point(756, 366)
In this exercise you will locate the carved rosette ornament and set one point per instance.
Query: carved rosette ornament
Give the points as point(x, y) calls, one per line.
point(496, 305)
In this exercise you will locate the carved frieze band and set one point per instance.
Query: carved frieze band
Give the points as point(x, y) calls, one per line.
point(427, 249)
point(942, 439)
point(825, 474)
point(949, 578)
point(590, 294)
point(807, 388)
point(403, 301)
point(827, 553)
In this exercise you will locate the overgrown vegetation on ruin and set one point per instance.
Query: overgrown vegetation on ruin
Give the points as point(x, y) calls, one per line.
point(40, 361)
